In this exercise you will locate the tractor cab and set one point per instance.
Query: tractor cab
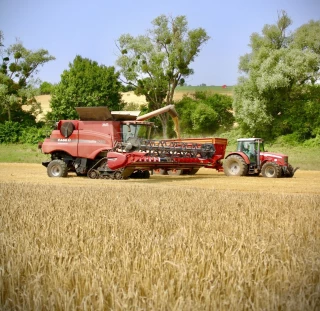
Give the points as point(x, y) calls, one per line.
point(251, 159)
point(252, 148)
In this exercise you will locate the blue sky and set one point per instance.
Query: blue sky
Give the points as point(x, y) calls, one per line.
point(67, 28)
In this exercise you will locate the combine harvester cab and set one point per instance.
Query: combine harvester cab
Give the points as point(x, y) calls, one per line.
point(251, 159)
point(117, 145)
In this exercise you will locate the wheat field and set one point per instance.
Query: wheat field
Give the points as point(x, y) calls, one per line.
point(202, 242)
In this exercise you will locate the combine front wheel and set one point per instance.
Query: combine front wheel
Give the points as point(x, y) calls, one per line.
point(271, 170)
point(234, 165)
point(57, 168)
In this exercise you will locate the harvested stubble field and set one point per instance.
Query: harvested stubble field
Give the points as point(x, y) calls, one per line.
point(203, 242)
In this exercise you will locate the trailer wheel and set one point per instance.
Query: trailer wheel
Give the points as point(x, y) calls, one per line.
point(175, 172)
point(271, 170)
point(193, 171)
point(235, 165)
point(146, 174)
point(160, 171)
point(57, 168)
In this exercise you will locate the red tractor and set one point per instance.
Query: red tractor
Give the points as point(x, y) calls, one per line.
point(251, 159)
point(117, 145)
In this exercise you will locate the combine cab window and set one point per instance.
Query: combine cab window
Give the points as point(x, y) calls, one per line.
point(136, 131)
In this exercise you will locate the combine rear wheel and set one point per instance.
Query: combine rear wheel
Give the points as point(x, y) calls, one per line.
point(234, 165)
point(271, 170)
point(57, 168)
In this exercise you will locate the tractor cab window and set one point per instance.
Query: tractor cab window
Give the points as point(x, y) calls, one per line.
point(261, 146)
point(135, 131)
point(245, 146)
point(249, 148)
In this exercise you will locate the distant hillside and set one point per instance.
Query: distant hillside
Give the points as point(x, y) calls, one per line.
point(188, 90)
point(130, 97)
point(223, 89)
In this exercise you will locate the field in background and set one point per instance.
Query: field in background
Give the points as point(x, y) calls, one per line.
point(227, 90)
point(202, 242)
point(130, 97)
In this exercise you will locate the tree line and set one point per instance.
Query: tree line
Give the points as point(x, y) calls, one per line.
point(278, 92)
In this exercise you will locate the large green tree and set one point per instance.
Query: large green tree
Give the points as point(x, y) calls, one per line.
point(19, 67)
point(85, 84)
point(278, 89)
point(156, 63)
point(205, 113)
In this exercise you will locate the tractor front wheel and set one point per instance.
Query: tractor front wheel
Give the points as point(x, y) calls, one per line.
point(57, 168)
point(235, 165)
point(271, 170)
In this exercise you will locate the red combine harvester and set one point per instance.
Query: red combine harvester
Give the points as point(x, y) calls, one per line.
point(117, 145)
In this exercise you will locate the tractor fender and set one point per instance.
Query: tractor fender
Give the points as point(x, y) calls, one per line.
point(241, 154)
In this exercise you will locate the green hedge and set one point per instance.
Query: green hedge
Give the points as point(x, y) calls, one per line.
point(14, 132)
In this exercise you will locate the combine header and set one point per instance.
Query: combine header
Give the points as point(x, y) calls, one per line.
point(117, 145)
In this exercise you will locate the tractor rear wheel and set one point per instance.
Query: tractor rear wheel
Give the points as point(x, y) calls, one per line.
point(57, 168)
point(235, 165)
point(271, 170)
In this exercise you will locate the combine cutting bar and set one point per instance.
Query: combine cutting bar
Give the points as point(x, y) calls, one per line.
point(167, 148)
